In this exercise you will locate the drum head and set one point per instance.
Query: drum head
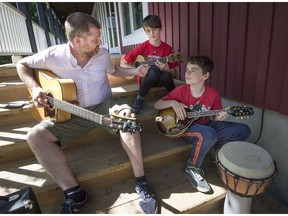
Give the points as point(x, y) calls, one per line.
point(246, 160)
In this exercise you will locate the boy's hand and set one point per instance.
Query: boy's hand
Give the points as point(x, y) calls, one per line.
point(162, 66)
point(222, 116)
point(179, 109)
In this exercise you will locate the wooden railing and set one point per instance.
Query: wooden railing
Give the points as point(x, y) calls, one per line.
point(14, 37)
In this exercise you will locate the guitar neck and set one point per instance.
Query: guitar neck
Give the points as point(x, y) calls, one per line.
point(79, 111)
point(152, 61)
point(198, 114)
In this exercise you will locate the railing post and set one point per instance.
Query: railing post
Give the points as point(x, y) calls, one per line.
point(22, 6)
point(51, 22)
point(39, 6)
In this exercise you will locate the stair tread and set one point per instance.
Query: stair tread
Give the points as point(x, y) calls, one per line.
point(12, 83)
point(173, 190)
point(14, 137)
point(108, 154)
point(13, 132)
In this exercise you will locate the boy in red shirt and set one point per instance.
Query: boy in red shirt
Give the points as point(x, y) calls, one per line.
point(159, 74)
point(206, 133)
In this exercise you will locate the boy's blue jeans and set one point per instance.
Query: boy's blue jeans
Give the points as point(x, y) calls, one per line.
point(215, 133)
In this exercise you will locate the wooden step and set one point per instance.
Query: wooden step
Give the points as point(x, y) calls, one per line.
point(8, 72)
point(95, 164)
point(13, 145)
point(13, 90)
point(15, 116)
point(174, 193)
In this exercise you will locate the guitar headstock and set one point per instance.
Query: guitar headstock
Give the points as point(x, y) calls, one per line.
point(175, 57)
point(241, 111)
point(124, 124)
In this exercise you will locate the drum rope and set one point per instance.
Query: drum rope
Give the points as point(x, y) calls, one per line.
point(263, 182)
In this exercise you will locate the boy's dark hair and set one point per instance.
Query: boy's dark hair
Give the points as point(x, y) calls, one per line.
point(204, 62)
point(78, 24)
point(152, 21)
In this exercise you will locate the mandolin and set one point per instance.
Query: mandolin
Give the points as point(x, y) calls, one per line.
point(169, 125)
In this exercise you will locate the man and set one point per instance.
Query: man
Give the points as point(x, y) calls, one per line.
point(87, 64)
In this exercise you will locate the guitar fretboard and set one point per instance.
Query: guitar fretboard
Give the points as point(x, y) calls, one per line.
point(79, 111)
point(152, 61)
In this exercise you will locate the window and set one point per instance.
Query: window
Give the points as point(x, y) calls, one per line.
point(137, 15)
point(131, 18)
point(126, 19)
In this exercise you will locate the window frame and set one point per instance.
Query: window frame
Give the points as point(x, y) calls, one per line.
point(136, 36)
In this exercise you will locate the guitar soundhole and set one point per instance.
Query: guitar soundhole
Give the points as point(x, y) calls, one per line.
point(49, 111)
point(137, 64)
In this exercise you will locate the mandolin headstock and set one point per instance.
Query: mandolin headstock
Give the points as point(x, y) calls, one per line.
point(241, 112)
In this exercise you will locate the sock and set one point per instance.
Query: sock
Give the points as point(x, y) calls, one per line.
point(139, 180)
point(75, 193)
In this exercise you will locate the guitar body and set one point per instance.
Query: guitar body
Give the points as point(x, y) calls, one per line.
point(138, 60)
point(63, 89)
point(169, 125)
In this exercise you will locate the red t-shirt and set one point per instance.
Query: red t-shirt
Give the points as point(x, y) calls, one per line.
point(210, 99)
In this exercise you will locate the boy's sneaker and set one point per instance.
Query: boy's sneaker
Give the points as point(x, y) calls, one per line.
point(147, 202)
point(194, 175)
point(72, 207)
point(138, 105)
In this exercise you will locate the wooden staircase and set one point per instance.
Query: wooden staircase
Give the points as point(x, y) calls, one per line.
point(99, 162)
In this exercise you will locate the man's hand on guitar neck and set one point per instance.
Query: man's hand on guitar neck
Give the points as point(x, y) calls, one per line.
point(39, 97)
point(142, 70)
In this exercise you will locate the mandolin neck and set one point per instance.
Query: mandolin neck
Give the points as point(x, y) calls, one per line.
point(198, 114)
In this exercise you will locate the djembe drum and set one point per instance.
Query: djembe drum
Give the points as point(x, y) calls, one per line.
point(246, 170)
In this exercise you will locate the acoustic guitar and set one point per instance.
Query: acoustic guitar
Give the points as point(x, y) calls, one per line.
point(169, 125)
point(140, 60)
point(62, 100)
